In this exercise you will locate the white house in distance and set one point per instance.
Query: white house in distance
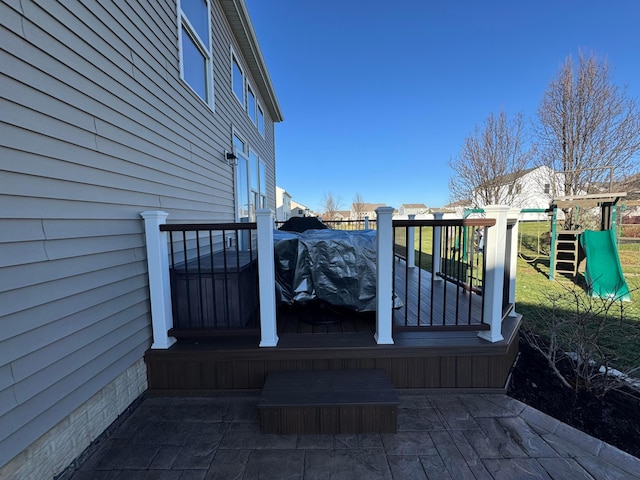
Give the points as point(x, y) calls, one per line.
point(420, 210)
point(533, 188)
point(106, 112)
point(300, 210)
point(362, 210)
point(341, 215)
point(283, 205)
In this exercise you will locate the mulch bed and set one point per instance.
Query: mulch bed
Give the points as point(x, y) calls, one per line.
point(615, 418)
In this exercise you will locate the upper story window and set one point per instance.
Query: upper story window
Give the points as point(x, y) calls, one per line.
point(195, 47)
point(251, 104)
point(237, 79)
point(260, 120)
point(245, 94)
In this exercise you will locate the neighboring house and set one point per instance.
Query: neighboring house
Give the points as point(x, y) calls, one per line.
point(299, 210)
point(530, 189)
point(457, 208)
point(283, 205)
point(339, 215)
point(418, 209)
point(361, 210)
point(631, 186)
point(110, 110)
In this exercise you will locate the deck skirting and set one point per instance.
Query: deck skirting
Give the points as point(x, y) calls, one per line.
point(417, 360)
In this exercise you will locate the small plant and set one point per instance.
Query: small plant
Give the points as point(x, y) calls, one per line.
point(572, 330)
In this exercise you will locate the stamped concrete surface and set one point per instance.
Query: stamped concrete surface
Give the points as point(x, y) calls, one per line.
point(440, 436)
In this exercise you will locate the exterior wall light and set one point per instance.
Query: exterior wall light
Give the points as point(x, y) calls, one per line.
point(231, 158)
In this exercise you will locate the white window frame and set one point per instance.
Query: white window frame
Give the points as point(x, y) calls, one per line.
point(260, 118)
point(235, 60)
point(185, 25)
point(254, 174)
point(251, 91)
point(262, 182)
point(243, 156)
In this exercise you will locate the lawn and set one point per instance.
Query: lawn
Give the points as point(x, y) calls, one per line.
point(534, 291)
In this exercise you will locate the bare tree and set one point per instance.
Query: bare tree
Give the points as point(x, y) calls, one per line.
point(586, 125)
point(330, 205)
point(358, 207)
point(490, 162)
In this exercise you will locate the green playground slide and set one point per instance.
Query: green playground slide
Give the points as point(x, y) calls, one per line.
point(603, 271)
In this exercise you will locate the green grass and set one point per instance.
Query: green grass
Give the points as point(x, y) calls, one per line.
point(456, 266)
point(534, 289)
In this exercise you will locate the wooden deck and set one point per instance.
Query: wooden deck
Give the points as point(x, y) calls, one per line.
point(440, 355)
point(445, 360)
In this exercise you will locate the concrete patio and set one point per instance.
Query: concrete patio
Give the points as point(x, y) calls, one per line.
point(440, 436)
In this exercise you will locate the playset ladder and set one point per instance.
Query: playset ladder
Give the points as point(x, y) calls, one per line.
point(567, 247)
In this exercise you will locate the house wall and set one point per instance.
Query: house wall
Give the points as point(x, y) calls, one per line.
point(418, 210)
point(283, 205)
point(298, 210)
point(96, 126)
point(529, 191)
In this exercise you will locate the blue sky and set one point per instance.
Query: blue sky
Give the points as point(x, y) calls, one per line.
point(377, 96)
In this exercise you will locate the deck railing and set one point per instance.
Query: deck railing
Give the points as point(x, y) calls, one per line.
point(214, 277)
point(364, 224)
point(439, 273)
point(469, 266)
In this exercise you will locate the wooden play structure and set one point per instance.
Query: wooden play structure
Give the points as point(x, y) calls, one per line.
point(603, 271)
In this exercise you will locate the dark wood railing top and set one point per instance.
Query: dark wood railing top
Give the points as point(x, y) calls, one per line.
point(190, 227)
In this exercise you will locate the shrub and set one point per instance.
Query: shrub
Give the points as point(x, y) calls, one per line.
point(572, 329)
point(630, 230)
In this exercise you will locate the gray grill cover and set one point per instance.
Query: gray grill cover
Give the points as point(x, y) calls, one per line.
point(336, 266)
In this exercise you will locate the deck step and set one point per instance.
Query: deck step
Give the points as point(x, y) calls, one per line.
point(328, 401)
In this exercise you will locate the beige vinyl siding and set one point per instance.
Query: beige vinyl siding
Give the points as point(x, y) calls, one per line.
point(96, 126)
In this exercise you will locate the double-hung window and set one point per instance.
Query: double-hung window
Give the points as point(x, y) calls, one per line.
point(237, 79)
point(260, 120)
point(195, 47)
point(251, 104)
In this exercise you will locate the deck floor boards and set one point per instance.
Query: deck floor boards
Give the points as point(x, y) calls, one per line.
point(429, 300)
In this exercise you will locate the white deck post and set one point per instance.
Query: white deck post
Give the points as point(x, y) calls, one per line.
point(267, 279)
point(513, 257)
point(384, 278)
point(437, 248)
point(494, 250)
point(411, 244)
point(159, 284)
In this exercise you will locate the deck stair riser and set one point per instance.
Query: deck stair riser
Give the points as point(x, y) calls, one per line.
point(328, 402)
